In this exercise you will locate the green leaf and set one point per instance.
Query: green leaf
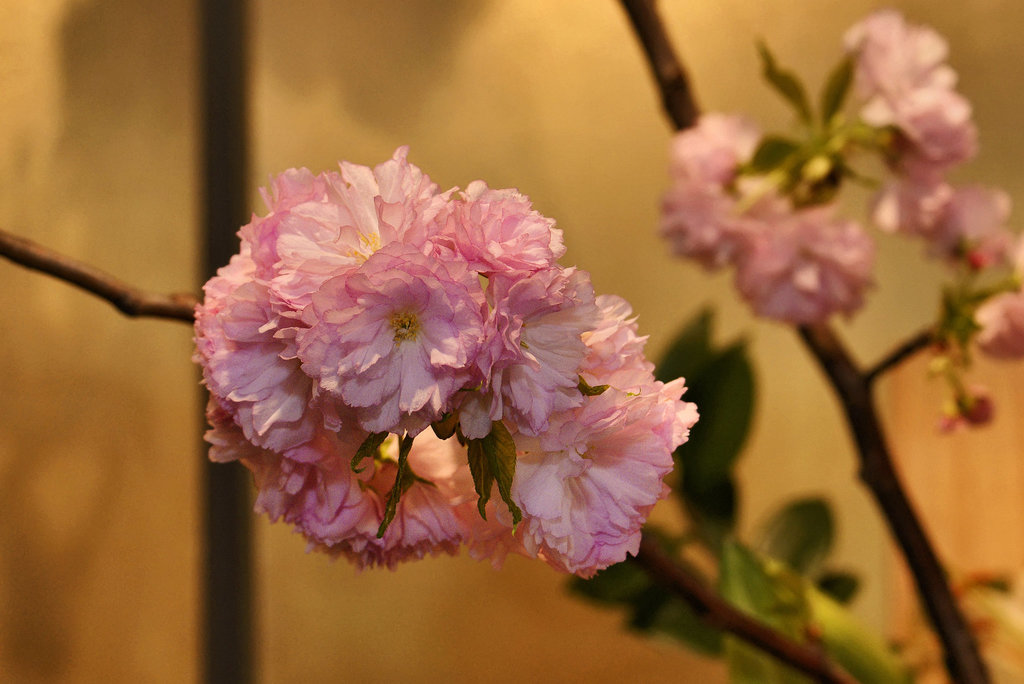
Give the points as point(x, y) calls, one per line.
point(391, 507)
point(589, 391)
point(785, 83)
point(800, 535)
point(724, 393)
point(745, 584)
point(836, 89)
point(621, 583)
point(721, 383)
point(652, 608)
point(368, 449)
point(858, 650)
point(493, 459)
point(789, 603)
point(840, 585)
point(445, 427)
point(689, 351)
point(713, 508)
point(771, 153)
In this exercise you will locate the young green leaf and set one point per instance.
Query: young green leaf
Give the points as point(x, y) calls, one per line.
point(771, 153)
point(744, 583)
point(836, 89)
point(785, 83)
point(800, 535)
point(391, 507)
point(493, 459)
point(368, 449)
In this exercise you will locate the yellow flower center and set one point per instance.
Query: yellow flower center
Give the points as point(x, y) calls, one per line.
point(405, 324)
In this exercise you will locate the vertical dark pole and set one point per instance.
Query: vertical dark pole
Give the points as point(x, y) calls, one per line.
point(227, 556)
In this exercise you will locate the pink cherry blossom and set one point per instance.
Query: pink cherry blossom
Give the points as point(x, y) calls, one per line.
point(699, 214)
point(806, 267)
point(242, 363)
point(394, 339)
point(534, 349)
point(322, 226)
point(900, 72)
point(711, 151)
point(589, 484)
point(367, 302)
point(615, 353)
point(912, 202)
point(973, 225)
point(498, 230)
point(1002, 326)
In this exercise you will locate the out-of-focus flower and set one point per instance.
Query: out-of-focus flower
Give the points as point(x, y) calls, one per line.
point(901, 74)
point(1002, 326)
point(806, 266)
point(700, 217)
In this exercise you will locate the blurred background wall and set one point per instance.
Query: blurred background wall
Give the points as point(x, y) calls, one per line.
point(99, 452)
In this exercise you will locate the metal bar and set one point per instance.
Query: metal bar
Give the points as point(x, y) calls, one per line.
point(227, 554)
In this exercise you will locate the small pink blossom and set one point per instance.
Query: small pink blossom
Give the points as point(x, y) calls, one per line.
point(711, 151)
point(615, 353)
point(590, 483)
point(533, 351)
point(701, 223)
point(322, 226)
point(242, 364)
point(395, 339)
point(498, 230)
point(1002, 326)
point(699, 215)
point(806, 267)
point(972, 225)
point(913, 202)
point(900, 72)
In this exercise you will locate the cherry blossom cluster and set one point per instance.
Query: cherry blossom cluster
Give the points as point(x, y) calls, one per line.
point(767, 204)
point(407, 371)
point(793, 263)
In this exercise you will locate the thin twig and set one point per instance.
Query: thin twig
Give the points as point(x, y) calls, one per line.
point(129, 300)
point(721, 614)
point(853, 388)
point(911, 346)
point(673, 84)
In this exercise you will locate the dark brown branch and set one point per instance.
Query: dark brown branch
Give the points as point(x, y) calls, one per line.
point(722, 615)
point(129, 300)
point(853, 388)
point(668, 71)
point(918, 342)
point(877, 472)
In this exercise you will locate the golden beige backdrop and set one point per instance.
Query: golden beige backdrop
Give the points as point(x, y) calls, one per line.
point(98, 437)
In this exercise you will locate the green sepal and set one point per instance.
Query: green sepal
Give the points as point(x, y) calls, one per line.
point(445, 427)
point(401, 484)
point(368, 449)
point(493, 459)
point(836, 89)
point(589, 391)
point(785, 83)
point(771, 153)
